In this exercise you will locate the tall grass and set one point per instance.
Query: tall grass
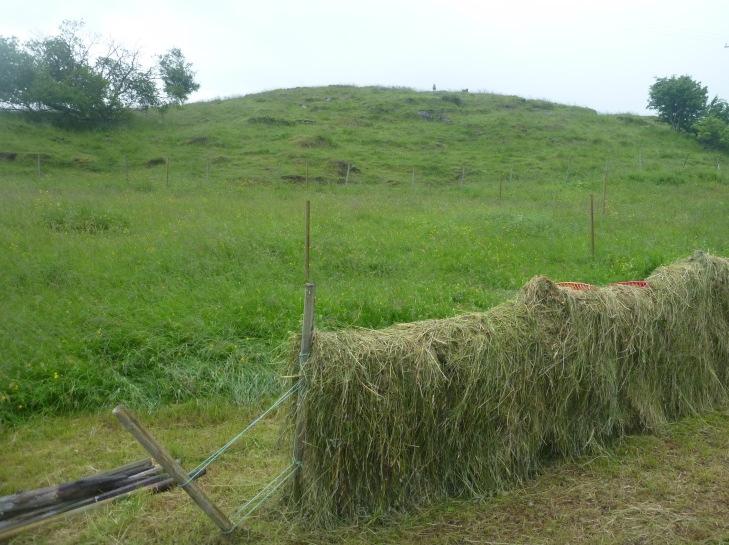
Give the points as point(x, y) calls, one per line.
point(136, 291)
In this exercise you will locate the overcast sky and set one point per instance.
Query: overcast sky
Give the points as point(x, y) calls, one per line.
point(603, 55)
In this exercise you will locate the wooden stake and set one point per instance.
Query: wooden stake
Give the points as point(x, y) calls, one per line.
point(592, 226)
point(307, 239)
point(346, 178)
point(173, 469)
point(307, 334)
point(307, 329)
point(604, 190)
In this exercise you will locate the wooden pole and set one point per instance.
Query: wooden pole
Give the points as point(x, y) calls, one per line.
point(173, 469)
point(307, 240)
point(31, 500)
point(604, 190)
point(156, 483)
point(346, 178)
point(307, 335)
point(592, 226)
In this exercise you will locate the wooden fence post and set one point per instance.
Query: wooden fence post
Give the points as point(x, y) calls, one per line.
point(159, 453)
point(307, 334)
point(604, 190)
point(592, 226)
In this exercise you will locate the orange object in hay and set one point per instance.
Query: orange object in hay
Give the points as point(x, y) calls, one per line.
point(579, 286)
point(634, 283)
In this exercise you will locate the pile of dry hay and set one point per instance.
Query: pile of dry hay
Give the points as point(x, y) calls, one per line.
point(468, 405)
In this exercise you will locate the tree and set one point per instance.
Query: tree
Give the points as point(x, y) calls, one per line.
point(60, 75)
point(718, 108)
point(710, 131)
point(680, 101)
point(177, 76)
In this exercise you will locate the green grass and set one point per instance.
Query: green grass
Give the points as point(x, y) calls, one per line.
point(151, 292)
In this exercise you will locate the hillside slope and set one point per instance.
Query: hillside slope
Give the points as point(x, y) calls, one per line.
point(384, 133)
point(129, 279)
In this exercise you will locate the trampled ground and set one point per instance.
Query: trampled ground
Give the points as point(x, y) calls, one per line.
point(648, 490)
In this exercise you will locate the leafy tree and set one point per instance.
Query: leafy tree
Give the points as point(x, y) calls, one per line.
point(679, 100)
point(59, 75)
point(710, 130)
point(177, 76)
point(718, 108)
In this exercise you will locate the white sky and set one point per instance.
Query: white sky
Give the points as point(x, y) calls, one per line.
point(603, 55)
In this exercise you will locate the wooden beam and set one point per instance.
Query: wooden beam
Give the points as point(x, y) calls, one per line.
point(159, 453)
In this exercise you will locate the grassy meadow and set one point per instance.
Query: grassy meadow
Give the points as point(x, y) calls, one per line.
point(160, 264)
point(164, 283)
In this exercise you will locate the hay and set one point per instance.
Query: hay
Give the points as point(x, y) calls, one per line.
point(465, 406)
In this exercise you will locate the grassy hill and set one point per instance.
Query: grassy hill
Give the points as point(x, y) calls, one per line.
point(161, 261)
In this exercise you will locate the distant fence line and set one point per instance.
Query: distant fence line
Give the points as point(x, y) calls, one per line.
point(302, 169)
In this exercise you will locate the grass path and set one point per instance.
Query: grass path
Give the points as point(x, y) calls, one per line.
point(670, 488)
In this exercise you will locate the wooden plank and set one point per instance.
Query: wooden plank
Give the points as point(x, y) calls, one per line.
point(159, 453)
